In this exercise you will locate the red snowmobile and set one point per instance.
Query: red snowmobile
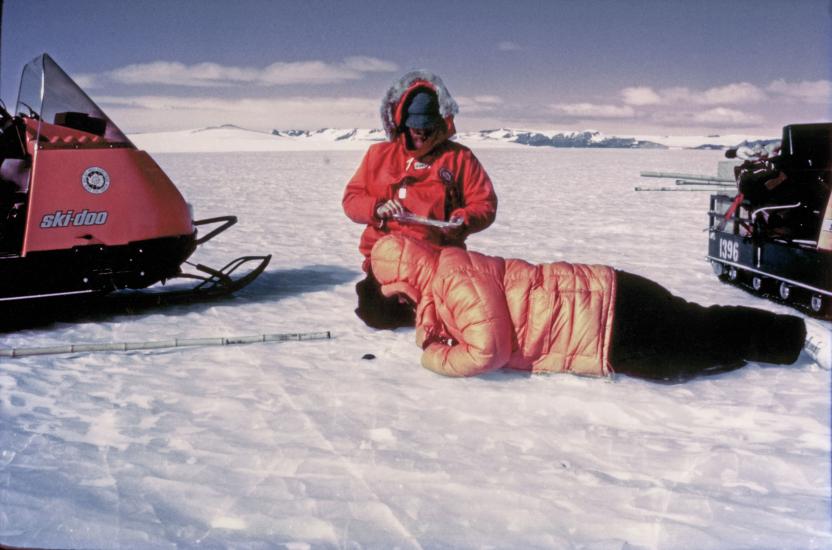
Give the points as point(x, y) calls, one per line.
point(774, 236)
point(83, 211)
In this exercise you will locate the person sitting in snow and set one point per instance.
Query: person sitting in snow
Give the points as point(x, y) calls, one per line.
point(417, 171)
point(477, 313)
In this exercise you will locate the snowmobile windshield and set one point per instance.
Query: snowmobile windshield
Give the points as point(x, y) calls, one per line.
point(61, 108)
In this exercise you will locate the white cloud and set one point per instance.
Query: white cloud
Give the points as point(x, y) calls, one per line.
point(640, 95)
point(508, 46)
point(731, 94)
point(214, 74)
point(86, 81)
point(676, 95)
point(366, 64)
point(478, 104)
point(722, 116)
point(306, 72)
point(733, 105)
point(592, 110)
point(740, 93)
point(817, 92)
point(156, 113)
point(168, 72)
point(717, 117)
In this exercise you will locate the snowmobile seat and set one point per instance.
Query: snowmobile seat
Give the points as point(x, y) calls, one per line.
point(807, 146)
point(806, 157)
point(82, 122)
point(15, 172)
point(11, 140)
point(761, 184)
point(13, 188)
point(793, 209)
point(787, 222)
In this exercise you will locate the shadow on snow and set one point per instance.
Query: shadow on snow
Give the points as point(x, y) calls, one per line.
point(270, 286)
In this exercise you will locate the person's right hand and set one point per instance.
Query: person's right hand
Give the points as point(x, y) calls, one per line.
point(390, 209)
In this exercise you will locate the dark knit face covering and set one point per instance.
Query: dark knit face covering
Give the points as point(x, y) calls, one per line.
point(423, 112)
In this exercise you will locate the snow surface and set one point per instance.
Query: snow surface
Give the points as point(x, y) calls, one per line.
point(307, 445)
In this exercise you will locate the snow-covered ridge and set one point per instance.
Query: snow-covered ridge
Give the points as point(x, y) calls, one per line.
point(233, 138)
point(586, 138)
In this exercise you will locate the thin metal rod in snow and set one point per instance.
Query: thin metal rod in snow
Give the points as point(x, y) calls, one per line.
point(163, 344)
point(713, 183)
point(677, 175)
point(674, 189)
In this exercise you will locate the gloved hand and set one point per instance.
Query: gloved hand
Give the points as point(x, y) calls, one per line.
point(389, 209)
point(433, 336)
point(455, 232)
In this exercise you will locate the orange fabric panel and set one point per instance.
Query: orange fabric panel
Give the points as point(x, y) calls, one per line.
point(139, 203)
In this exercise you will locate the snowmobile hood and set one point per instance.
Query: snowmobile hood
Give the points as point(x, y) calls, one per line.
point(403, 265)
point(395, 101)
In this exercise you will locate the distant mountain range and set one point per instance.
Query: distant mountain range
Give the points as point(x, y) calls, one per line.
point(584, 139)
point(234, 138)
point(587, 138)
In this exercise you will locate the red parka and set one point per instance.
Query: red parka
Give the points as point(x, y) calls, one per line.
point(440, 181)
point(477, 313)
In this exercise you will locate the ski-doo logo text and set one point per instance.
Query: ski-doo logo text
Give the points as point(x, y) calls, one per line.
point(71, 218)
point(95, 180)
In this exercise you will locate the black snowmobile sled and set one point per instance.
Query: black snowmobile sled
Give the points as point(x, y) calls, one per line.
point(774, 236)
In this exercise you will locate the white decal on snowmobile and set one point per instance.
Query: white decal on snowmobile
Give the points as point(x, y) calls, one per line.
point(729, 250)
point(71, 218)
point(95, 180)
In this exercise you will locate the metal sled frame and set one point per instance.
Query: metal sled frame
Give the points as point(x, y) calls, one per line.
point(220, 281)
point(787, 266)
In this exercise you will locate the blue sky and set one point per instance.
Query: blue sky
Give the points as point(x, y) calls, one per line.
point(626, 66)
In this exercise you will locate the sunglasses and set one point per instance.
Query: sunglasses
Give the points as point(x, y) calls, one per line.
point(422, 132)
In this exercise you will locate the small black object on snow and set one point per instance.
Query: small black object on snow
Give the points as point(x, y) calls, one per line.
point(368, 356)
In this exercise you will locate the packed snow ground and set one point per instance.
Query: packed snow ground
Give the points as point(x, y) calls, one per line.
point(307, 445)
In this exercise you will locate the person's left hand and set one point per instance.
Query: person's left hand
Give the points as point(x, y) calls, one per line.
point(454, 232)
point(390, 209)
point(434, 336)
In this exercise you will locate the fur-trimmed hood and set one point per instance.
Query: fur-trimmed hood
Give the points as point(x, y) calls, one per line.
point(400, 93)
